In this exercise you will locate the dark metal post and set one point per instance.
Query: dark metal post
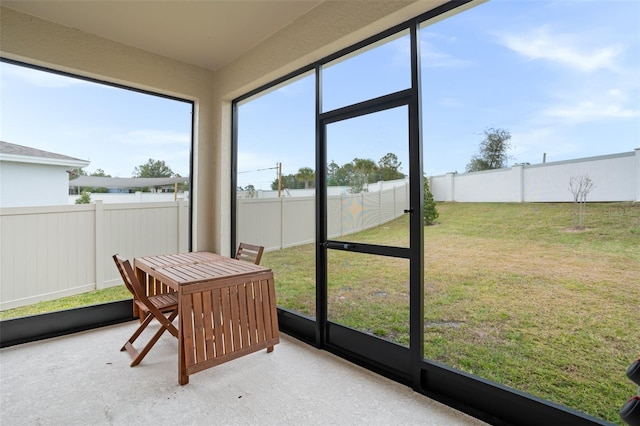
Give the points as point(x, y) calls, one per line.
point(321, 218)
point(416, 292)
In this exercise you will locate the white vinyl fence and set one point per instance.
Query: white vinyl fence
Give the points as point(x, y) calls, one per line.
point(289, 221)
point(56, 251)
point(616, 178)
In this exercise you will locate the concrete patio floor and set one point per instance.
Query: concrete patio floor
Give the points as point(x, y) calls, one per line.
point(83, 379)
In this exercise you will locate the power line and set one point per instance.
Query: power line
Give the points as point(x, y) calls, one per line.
point(259, 170)
point(278, 167)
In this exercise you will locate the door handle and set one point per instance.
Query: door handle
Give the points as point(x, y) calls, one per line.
point(346, 246)
point(408, 210)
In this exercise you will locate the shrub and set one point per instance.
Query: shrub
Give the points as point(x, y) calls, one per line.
point(84, 198)
point(430, 212)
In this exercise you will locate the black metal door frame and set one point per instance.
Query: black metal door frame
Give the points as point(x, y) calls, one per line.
point(388, 358)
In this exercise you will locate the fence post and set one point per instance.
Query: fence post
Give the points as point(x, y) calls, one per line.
point(450, 187)
point(282, 207)
point(341, 214)
point(361, 215)
point(183, 226)
point(99, 241)
point(395, 200)
point(518, 183)
point(637, 150)
point(407, 197)
point(380, 205)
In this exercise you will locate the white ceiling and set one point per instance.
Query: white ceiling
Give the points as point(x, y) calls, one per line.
point(209, 33)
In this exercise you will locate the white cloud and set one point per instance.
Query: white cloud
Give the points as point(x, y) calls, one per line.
point(441, 38)
point(590, 111)
point(565, 49)
point(431, 56)
point(593, 106)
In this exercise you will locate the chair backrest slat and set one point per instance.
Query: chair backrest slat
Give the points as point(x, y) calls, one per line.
point(130, 279)
point(249, 253)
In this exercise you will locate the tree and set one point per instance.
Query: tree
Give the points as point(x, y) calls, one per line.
point(153, 169)
point(429, 210)
point(360, 171)
point(389, 168)
point(251, 191)
point(287, 182)
point(332, 174)
point(84, 198)
point(343, 175)
point(74, 173)
point(492, 152)
point(306, 175)
point(580, 186)
point(363, 170)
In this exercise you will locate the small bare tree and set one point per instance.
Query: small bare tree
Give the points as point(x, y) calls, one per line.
point(580, 186)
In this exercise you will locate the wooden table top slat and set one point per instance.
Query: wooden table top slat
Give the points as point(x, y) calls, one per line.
point(229, 268)
point(195, 267)
point(166, 260)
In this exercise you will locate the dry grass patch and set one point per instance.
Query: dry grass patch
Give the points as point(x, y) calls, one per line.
point(540, 309)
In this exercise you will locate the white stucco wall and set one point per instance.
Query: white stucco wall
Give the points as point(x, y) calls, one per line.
point(28, 185)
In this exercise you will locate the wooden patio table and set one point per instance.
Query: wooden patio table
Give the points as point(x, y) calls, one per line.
point(226, 307)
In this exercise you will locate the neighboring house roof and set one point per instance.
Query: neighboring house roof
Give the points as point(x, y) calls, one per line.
point(24, 154)
point(109, 182)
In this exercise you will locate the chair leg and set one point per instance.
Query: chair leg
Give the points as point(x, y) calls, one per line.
point(140, 356)
point(128, 346)
point(269, 349)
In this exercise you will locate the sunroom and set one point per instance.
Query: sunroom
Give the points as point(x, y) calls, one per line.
point(317, 128)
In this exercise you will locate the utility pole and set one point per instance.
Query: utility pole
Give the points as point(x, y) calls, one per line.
point(279, 179)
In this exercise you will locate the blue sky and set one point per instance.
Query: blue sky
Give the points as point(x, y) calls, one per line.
point(563, 77)
point(115, 129)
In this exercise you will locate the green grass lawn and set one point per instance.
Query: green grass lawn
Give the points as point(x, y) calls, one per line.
point(90, 298)
point(512, 294)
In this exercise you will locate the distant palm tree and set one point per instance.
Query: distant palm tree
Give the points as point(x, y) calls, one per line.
point(306, 175)
point(364, 168)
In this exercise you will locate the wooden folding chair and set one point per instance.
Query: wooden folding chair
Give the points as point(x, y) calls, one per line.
point(152, 307)
point(249, 253)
